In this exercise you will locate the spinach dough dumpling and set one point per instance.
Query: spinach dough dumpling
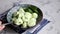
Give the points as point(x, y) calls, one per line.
point(34, 15)
point(21, 12)
point(21, 15)
point(24, 19)
point(32, 22)
point(28, 15)
point(18, 21)
point(24, 25)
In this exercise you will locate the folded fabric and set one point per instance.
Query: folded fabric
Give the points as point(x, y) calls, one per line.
point(36, 29)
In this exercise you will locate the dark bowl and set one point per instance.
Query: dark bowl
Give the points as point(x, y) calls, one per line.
point(14, 9)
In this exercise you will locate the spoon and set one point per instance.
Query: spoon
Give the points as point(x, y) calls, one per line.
point(6, 23)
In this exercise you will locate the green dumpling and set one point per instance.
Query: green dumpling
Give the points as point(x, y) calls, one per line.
point(21, 10)
point(18, 21)
point(24, 19)
point(24, 25)
point(34, 15)
point(32, 22)
point(21, 15)
point(28, 15)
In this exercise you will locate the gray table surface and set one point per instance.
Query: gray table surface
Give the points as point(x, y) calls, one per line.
point(50, 9)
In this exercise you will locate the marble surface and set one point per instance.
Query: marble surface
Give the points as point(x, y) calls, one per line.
point(50, 9)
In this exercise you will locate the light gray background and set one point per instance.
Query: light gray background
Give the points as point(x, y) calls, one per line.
point(50, 9)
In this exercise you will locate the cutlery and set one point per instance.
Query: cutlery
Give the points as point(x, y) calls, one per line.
point(6, 23)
